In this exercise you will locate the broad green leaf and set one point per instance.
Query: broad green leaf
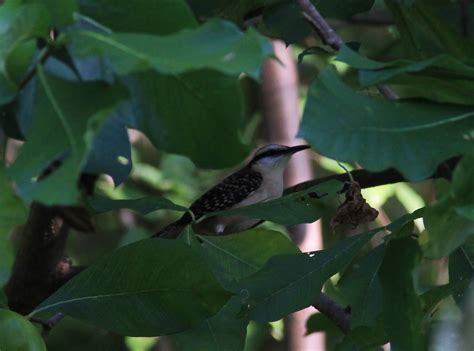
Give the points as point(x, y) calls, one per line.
point(65, 119)
point(12, 213)
point(462, 189)
point(402, 308)
point(289, 283)
point(216, 45)
point(111, 151)
point(18, 334)
point(60, 11)
point(3, 300)
point(151, 287)
point(379, 134)
point(285, 20)
point(18, 24)
point(461, 271)
point(231, 9)
point(305, 206)
point(190, 114)
point(237, 256)
point(224, 331)
point(448, 224)
point(364, 339)
point(148, 16)
point(441, 78)
point(142, 205)
point(446, 230)
point(361, 286)
point(424, 33)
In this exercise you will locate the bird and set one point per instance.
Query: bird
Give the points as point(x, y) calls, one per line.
point(261, 179)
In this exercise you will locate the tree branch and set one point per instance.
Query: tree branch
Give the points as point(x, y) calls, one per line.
point(40, 267)
point(332, 39)
point(335, 312)
point(368, 179)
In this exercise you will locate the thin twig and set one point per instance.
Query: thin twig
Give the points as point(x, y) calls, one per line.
point(332, 39)
point(48, 324)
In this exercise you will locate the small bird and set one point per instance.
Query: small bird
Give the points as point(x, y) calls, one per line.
point(261, 179)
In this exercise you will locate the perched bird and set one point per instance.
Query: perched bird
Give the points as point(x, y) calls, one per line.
point(260, 180)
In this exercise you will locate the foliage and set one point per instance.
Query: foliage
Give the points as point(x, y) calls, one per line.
point(77, 76)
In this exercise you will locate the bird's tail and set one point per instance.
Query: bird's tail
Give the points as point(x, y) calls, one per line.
point(172, 231)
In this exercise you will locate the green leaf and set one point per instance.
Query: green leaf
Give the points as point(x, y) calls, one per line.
point(424, 33)
point(447, 222)
point(362, 288)
point(461, 271)
point(291, 282)
point(305, 206)
point(111, 151)
point(446, 230)
point(190, 114)
point(143, 205)
point(224, 331)
point(17, 333)
point(284, 20)
point(151, 287)
point(155, 16)
point(18, 24)
point(402, 308)
point(67, 115)
point(12, 213)
point(60, 11)
point(237, 256)
point(231, 9)
point(379, 134)
point(217, 44)
point(441, 78)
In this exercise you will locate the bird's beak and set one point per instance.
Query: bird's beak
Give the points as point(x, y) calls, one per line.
point(295, 149)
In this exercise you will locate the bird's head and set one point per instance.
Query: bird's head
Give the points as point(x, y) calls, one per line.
point(274, 156)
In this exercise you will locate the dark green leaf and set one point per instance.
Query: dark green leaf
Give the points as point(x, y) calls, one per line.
point(190, 114)
point(402, 308)
point(380, 134)
point(447, 222)
point(231, 9)
point(12, 213)
point(461, 271)
point(364, 339)
point(143, 205)
point(305, 206)
point(18, 24)
point(18, 334)
point(441, 78)
point(342, 9)
point(284, 20)
point(362, 288)
point(152, 287)
point(234, 257)
point(65, 119)
point(424, 33)
point(217, 45)
point(318, 322)
point(148, 16)
point(224, 331)
point(446, 230)
point(289, 283)
point(111, 151)
point(60, 11)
